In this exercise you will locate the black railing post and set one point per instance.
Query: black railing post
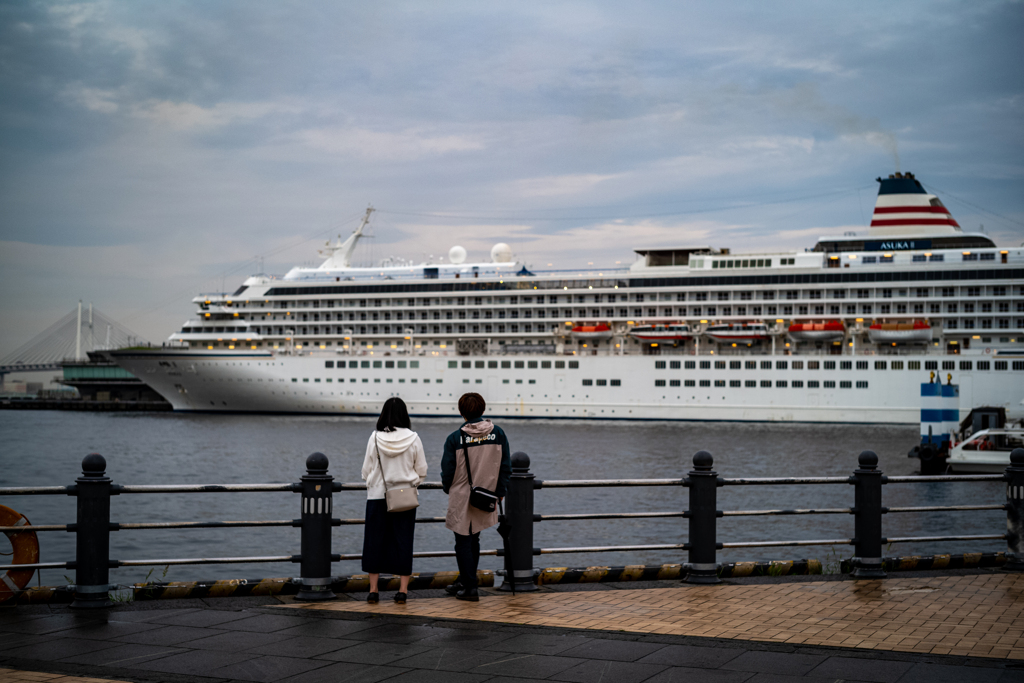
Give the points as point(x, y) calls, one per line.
point(92, 535)
point(519, 513)
point(1015, 511)
point(703, 515)
point(317, 507)
point(867, 509)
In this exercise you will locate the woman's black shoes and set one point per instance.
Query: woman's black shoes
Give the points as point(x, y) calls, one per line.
point(470, 594)
point(400, 598)
point(373, 598)
point(453, 589)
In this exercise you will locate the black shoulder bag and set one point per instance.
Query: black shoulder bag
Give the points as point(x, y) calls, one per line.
point(479, 497)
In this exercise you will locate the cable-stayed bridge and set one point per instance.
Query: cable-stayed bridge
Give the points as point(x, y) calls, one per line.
point(70, 338)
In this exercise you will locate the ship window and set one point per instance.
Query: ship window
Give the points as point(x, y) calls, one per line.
point(389, 363)
point(862, 365)
point(305, 379)
point(983, 365)
point(690, 364)
point(869, 259)
point(295, 379)
point(719, 365)
point(506, 364)
point(780, 384)
point(705, 365)
point(466, 381)
point(965, 364)
point(812, 384)
point(735, 364)
point(846, 385)
point(751, 365)
point(328, 363)
point(719, 382)
point(846, 365)
point(937, 257)
point(532, 364)
point(559, 364)
point(436, 381)
point(401, 364)
point(351, 364)
point(913, 365)
point(766, 383)
point(574, 365)
point(812, 365)
point(673, 383)
point(829, 384)
point(931, 365)
point(781, 364)
point(897, 365)
point(735, 383)
point(879, 365)
point(365, 380)
point(479, 364)
point(317, 379)
point(705, 383)
point(453, 363)
point(659, 365)
point(830, 365)
point(657, 382)
point(918, 258)
point(545, 364)
point(492, 363)
point(970, 257)
point(885, 259)
point(376, 363)
point(616, 382)
point(798, 384)
point(675, 365)
point(798, 365)
point(532, 381)
point(948, 365)
point(602, 382)
point(766, 365)
point(1001, 365)
point(1018, 365)
point(689, 383)
point(520, 364)
point(862, 385)
point(467, 364)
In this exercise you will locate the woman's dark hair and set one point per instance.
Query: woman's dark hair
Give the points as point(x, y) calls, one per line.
point(471, 406)
point(394, 415)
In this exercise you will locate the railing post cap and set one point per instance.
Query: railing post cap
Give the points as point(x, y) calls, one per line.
point(1017, 457)
point(702, 461)
point(867, 460)
point(94, 465)
point(316, 464)
point(520, 461)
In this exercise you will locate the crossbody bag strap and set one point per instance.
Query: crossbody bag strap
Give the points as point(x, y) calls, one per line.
point(381, 464)
point(465, 453)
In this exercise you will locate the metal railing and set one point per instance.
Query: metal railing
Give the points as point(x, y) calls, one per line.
point(93, 491)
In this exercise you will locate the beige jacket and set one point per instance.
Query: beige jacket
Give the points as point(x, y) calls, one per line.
point(485, 462)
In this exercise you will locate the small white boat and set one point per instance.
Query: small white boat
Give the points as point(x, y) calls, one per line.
point(738, 332)
point(661, 333)
point(591, 332)
point(918, 332)
point(986, 451)
point(827, 331)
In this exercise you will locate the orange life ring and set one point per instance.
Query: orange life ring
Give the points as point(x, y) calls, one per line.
point(26, 551)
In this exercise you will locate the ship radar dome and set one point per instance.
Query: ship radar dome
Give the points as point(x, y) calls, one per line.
point(501, 253)
point(457, 255)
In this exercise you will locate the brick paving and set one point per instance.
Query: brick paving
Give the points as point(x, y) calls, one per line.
point(895, 631)
point(977, 616)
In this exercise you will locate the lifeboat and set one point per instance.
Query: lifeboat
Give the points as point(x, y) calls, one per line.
point(661, 333)
point(918, 332)
point(738, 332)
point(591, 332)
point(832, 330)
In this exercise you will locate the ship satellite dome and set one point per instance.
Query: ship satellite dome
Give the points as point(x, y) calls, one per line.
point(457, 254)
point(501, 253)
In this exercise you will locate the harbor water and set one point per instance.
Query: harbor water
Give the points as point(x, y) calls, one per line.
point(45, 448)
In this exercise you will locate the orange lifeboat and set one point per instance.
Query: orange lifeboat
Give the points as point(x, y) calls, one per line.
point(917, 332)
point(591, 332)
point(831, 330)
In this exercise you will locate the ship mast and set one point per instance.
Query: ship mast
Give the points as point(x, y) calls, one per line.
point(340, 255)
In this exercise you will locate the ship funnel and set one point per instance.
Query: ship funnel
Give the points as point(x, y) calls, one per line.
point(904, 208)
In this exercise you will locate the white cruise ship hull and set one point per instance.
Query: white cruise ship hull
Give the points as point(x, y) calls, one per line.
point(262, 382)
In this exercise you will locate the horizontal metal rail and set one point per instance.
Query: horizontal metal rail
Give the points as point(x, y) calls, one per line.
point(361, 486)
point(37, 565)
point(608, 515)
point(206, 560)
point(780, 544)
point(922, 539)
point(782, 481)
point(944, 477)
point(939, 508)
point(33, 527)
point(614, 548)
point(207, 488)
point(600, 483)
point(37, 490)
point(205, 525)
point(757, 513)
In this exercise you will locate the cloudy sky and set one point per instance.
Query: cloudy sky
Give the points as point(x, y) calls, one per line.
point(152, 151)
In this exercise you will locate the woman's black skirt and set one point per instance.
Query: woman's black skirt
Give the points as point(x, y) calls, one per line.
point(388, 539)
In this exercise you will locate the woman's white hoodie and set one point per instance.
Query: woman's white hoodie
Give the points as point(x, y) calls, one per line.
point(401, 454)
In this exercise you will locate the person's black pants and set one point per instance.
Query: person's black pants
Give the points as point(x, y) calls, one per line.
point(467, 554)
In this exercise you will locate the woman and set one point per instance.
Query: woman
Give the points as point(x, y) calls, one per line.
point(388, 536)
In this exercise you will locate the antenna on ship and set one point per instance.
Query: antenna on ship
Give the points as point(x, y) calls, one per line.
point(340, 255)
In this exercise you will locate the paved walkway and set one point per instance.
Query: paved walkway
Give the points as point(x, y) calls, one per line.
point(978, 616)
point(658, 633)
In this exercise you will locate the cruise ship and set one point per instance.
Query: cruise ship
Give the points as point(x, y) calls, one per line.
point(845, 331)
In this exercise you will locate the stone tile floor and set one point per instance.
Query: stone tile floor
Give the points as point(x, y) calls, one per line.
point(440, 639)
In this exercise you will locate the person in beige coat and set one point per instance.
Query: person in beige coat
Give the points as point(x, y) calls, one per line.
point(484, 446)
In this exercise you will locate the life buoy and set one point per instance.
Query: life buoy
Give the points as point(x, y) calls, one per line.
point(26, 551)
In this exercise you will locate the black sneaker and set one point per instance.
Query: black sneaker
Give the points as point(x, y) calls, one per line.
point(470, 594)
point(400, 598)
point(453, 589)
point(373, 598)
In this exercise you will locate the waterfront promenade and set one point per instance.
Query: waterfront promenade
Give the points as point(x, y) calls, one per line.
point(960, 626)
